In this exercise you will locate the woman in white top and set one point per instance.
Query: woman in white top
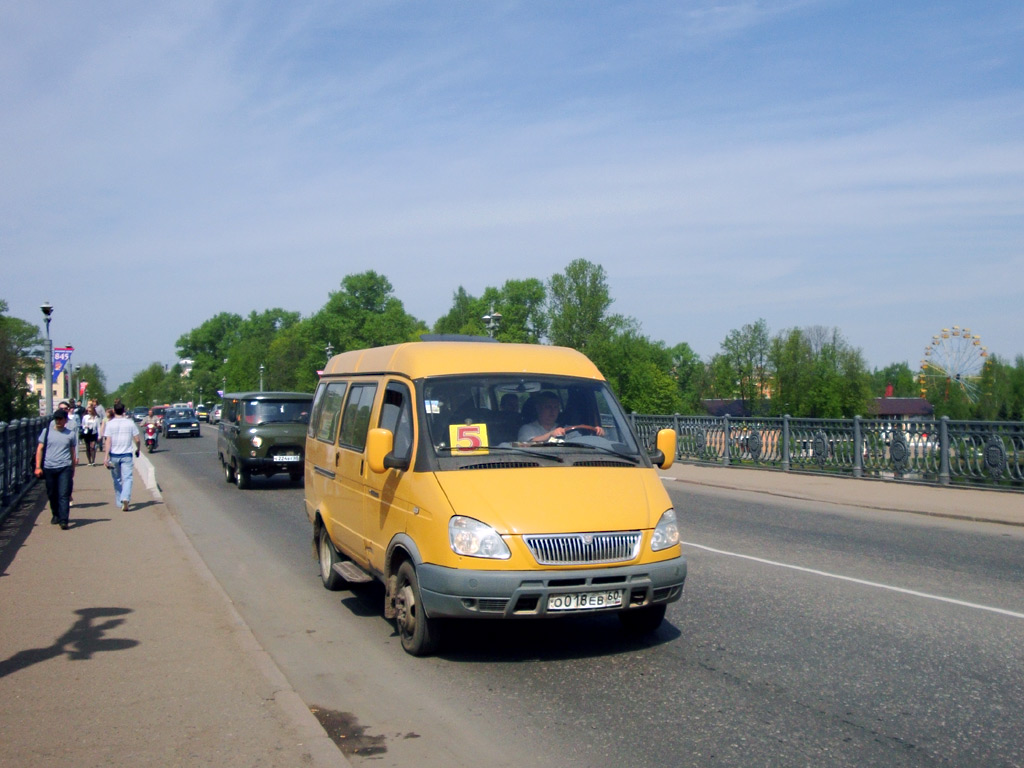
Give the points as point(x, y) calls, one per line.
point(91, 423)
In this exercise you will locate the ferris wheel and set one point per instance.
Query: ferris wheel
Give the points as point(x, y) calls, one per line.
point(954, 359)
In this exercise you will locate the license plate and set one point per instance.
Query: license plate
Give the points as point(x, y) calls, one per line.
point(287, 458)
point(585, 601)
point(181, 429)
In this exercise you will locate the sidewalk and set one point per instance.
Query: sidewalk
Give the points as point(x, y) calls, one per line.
point(119, 648)
point(970, 504)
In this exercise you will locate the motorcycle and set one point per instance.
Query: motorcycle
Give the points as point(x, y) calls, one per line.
point(151, 438)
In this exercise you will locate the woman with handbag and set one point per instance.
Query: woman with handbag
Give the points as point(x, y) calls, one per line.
point(91, 432)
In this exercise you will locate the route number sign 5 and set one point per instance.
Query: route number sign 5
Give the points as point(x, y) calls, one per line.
point(467, 439)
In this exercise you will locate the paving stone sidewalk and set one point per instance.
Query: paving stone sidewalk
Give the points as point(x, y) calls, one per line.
point(119, 648)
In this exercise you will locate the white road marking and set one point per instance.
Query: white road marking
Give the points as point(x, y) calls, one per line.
point(862, 582)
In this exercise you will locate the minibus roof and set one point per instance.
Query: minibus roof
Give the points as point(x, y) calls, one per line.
point(417, 360)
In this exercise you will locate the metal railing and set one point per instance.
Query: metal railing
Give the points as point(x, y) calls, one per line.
point(975, 453)
point(18, 440)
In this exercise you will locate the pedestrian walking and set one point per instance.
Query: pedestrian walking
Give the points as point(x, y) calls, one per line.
point(91, 433)
point(118, 437)
point(56, 457)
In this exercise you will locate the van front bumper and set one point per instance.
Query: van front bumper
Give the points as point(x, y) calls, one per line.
point(268, 465)
point(459, 593)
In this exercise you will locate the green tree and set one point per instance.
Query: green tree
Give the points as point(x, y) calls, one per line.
point(96, 382)
point(521, 304)
point(465, 315)
point(254, 338)
point(792, 359)
point(689, 372)
point(1015, 408)
point(20, 357)
point(363, 314)
point(900, 377)
point(639, 372)
point(147, 387)
point(293, 359)
point(747, 352)
point(578, 303)
point(817, 374)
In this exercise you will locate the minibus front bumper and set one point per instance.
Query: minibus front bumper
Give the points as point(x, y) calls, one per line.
point(461, 593)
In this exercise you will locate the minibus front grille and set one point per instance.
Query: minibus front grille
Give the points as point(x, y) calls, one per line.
point(584, 548)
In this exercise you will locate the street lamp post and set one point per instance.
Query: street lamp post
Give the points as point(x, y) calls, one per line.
point(491, 322)
point(329, 349)
point(48, 373)
point(261, 377)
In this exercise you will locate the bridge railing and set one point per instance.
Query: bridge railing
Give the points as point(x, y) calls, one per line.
point(940, 451)
point(18, 440)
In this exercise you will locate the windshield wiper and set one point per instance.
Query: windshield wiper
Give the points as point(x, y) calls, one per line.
point(603, 449)
point(513, 448)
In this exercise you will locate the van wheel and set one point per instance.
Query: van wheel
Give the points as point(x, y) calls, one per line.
point(328, 556)
point(420, 634)
point(642, 621)
point(229, 472)
point(296, 477)
point(243, 479)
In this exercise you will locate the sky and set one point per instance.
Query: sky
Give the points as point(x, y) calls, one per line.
point(839, 163)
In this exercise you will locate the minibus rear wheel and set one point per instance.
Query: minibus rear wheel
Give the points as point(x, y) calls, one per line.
point(420, 634)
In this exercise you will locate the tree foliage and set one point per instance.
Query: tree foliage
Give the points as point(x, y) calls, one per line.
point(20, 357)
point(803, 372)
point(578, 303)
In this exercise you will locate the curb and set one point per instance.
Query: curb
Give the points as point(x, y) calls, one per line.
point(323, 751)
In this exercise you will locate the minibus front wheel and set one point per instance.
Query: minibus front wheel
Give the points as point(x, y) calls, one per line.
point(419, 633)
point(328, 556)
point(642, 621)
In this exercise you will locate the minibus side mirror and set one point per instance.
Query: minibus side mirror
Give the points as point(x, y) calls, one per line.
point(664, 455)
point(379, 446)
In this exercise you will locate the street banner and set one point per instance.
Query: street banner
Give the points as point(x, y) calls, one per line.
point(61, 358)
point(82, 386)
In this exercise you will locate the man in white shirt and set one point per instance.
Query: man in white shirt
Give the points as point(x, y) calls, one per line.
point(118, 437)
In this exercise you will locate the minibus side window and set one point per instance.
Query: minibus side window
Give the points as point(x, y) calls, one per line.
point(318, 407)
point(326, 421)
point(396, 416)
point(355, 420)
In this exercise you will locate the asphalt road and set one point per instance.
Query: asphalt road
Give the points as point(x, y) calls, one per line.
point(806, 636)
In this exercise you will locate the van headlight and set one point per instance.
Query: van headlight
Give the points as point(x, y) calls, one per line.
point(474, 539)
point(257, 441)
point(666, 534)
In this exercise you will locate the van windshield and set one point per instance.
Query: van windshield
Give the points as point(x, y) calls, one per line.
point(541, 416)
point(257, 412)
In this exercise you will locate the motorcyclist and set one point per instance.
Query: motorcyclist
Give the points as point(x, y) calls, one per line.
point(150, 419)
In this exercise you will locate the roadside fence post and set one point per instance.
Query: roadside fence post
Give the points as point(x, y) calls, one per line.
point(944, 450)
point(785, 443)
point(727, 442)
point(858, 451)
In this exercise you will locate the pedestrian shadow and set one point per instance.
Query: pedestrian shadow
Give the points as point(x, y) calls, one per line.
point(79, 643)
point(79, 505)
point(79, 522)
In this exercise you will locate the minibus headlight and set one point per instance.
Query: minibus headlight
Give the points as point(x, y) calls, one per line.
point(666, 534)
point(474, 539)
point(257, 441)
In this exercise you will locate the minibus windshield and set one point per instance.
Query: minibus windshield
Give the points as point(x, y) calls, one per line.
point(540, 415)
